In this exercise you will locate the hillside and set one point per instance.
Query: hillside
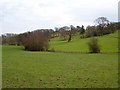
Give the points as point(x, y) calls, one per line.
point(26, 69)
point(108, 43)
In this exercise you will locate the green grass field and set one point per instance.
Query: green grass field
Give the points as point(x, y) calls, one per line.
point(108, 43)
point(25, 69)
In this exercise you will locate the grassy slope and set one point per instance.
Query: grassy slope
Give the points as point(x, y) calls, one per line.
point(108, 43)
point(43, 69)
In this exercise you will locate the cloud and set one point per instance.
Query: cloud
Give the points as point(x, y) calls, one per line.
point(23, 15)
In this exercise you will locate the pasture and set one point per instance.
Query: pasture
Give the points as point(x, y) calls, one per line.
point(26, 69)
point(108, 43)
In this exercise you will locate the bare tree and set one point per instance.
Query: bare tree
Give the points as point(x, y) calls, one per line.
point(64, 32)
point(101, 22)
point(9, 39)
point(73, 30)
point(56, 32)
point(35, 41)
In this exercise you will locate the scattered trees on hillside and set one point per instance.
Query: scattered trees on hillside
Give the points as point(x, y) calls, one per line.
point(102, 27)
point(9, 39)
point(73, 30)
point(78, 28)
point(14, 39)
point(82, 31)
point(56, 32)
point(47, 32)
point(64, 32)
point(38, 39)
point(91, 31)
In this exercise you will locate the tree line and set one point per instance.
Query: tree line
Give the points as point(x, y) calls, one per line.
point(38, 40)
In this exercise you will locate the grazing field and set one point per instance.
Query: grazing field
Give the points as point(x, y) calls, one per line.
point(108, 43)
point(24, 69)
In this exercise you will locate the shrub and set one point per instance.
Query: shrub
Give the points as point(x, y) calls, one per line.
point(94, 47)
point(53, 50)
point(35, 41)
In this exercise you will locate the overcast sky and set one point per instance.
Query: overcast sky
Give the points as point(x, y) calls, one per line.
point(17, 16)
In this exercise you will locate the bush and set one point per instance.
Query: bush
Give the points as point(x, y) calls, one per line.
point(35, 41)
point(52, 50)
point(94, 46)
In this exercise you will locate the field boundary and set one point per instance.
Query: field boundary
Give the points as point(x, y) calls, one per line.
point(83, 52)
